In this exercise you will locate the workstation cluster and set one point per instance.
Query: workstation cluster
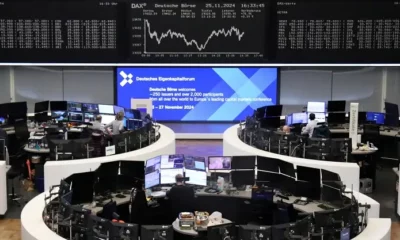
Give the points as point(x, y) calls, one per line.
point(328, 139)
point(61, 130)
point(262, 198)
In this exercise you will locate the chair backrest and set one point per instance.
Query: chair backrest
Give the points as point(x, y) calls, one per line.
point(371, 130)
point(21, 131)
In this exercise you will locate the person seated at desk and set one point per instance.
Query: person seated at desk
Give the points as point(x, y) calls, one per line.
point(117, 126)
point(181, 197)
point(286, 129)
point(97, 125)
point(309, 128)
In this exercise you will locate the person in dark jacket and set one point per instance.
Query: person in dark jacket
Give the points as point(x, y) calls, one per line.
point(181, 197)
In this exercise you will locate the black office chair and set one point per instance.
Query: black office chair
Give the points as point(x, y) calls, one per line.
point(82, 148)
point(121, 143)
point(16, 172)
point(61, 149)
point(98, 143)
point(371, 133)
point(21, 133)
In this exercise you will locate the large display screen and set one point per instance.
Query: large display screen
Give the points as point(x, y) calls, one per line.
point(199, 94)
point(185, 31)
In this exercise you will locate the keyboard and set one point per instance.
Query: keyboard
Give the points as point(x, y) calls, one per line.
point(158, 194)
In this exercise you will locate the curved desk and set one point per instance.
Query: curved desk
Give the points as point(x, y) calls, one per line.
point(54, 171)
point(192, 232)
point(3, 187)
point(348, 172)
point(36, 151)
point(34, 228)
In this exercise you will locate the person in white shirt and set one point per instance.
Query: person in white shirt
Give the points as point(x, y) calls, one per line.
point(117, 125)
point(97, 125)
point(309, 128)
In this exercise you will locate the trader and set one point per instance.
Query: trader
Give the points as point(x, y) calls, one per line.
point(286, 129)
point(97, 125)
point(181, 197)
point(309, 128)
point(117, 125)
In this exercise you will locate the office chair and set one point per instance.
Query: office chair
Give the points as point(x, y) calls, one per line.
point(16, 171)
point(81, 148)
point(61, 149)
point(121, 143)
point(21, 133)
point(371, 133)
point(98, 143)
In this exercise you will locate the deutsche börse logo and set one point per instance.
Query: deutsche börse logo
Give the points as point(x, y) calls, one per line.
point(126, 78)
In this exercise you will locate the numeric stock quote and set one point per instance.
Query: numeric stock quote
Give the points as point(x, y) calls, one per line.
point(250, 31)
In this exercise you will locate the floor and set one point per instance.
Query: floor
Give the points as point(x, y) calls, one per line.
point(10, 225)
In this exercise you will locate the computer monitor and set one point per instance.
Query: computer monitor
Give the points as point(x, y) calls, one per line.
point(320, 117)
point(195, 163)
point(75, 116)
point(167, 176)
point(287, 169)
point(41, 107)
point(89, 117)
point(80, 216)
point(251, 232)
point(61, 116)
point(240, 178)
point(391, 108)
point(106, 119)
point(391, 120)
point(152, 179)
point(135, 169)
point(308, 174)
point(270, 122)
point(90, 108)
point(74, 107)
point(316, 107)
point(299, 118)
point(274, 111)
point(129, 113)
point(2, 120)
point(260, 112)
point(377, 117)
point(64, 188)
point(289, 119)
point(58, 106)
point(106, 109)
point(278, 231)
point(157, 232)
point(219, 163)
point(332, 195)
point(221, 232)
point(123, 231)
point(99, 227)
point(300, 229)
point(362, 117)
point(336, 118)
point(324, 219)
point(118, 109)
point(267, 164)
point(329, 176)
point(336, 106)
point(198, 178)
point(243, 162)
point(172, 161)
point(82, 185)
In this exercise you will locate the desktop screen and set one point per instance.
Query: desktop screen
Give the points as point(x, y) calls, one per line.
point(168, 175)
point(199, 93)
point(299, 117)
point(289, 119)
point(195, 163)
point(320, 117)
point(106, 119)
point(196, 177)
point(316, 107)
point(89, 117)
point(106, 109)
point(60, 115)
point(172, 161)
point(219, 163)
point(2, 120)
point(152, 172)
point(128, 113)
point(118, 109)
point(377, 117)
point(75, 117)
point(90, 108)
point(74, 107)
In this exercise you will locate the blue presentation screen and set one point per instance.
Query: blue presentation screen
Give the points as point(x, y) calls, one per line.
point(199, 94)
